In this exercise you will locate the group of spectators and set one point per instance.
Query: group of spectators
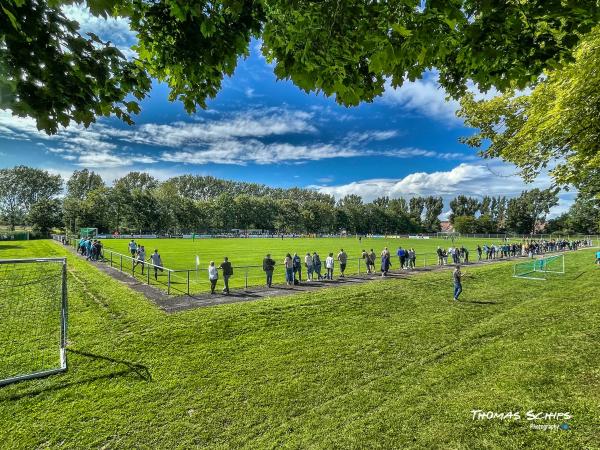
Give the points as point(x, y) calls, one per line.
point(90, 248)
point(312, 264)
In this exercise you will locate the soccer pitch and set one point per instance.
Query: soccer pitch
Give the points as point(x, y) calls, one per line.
point(246, 255)
point(389, 364)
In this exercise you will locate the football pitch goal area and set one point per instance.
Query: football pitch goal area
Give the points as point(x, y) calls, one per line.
point(538, 269)
point(33, 318)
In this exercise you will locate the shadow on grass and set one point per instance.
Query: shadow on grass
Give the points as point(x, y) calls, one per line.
point(10, 247)
point(139, 370)
point(479, 302)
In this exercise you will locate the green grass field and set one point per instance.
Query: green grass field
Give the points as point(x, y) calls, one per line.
point(387, 364)
point(247, 255)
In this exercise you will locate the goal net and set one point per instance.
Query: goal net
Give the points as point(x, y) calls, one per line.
point(33, 314)
point(536, 269)
point(88, 232)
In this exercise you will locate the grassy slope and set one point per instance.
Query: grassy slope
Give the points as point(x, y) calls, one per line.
point(388, 364)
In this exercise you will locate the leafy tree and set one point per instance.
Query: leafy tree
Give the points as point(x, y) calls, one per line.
point(465, 224)
point(82, 182)
point(45, 215)
point(21, 187)
point(528, 210)
point(557, 125)
point(463, 206)
point(345, 49)
point(416, 207)
point(433, 209)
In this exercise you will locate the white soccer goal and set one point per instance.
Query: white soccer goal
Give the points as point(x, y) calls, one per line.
point(33, 318)
point(536, 269)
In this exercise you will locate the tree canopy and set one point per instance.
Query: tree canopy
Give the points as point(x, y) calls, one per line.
point(556, 126)
point(53, 73)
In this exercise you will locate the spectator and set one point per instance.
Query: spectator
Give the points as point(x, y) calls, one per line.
point(133, 248)
point(269, 267)
point(157, 263)
point(288, 263)
point(297, 266)
point(372, 258)
point(213, 276)
point(227, 272)
point(329, 264)
point(317, 265)
point(141, 257)
point(308, 263)
point(342, 257)
point(385, 263)
point(457, 276)
point(401, 253)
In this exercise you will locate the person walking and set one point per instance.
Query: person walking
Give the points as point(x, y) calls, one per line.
point(479, 252)
point(227, 269)
point(156, 261)
point(329, 264)
point(213, 276)
point(297, 266)
point(372, 257)
point(440, 255)
point(308, 263)
point(317, 265)
point(412, 258)
point(269, 267)
point(457, 277)
point(342, 257)
point(288, 263)
point(401, 256)
point(141, 257)
point(385, 263)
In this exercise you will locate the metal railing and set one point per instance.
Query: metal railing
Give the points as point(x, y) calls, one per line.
point(195, 281)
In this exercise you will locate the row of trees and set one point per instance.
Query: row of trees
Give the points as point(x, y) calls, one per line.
point(139, 202)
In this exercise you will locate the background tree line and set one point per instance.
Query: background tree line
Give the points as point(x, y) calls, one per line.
point(139, 202)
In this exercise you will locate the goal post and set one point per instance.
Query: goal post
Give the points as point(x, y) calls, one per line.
point(33, 314)
point(535, 269)
point(88, 232)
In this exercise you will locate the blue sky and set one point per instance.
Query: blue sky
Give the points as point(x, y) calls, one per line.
point(262, 130)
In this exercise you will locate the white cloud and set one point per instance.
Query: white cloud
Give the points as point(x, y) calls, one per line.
point(374, 135)
point(114, 29)
point(474, 180)
point(424, 97)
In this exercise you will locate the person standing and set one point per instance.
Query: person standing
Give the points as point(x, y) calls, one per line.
point(440, 255)
point(457, 277)
point(297, 266)
point(317, 265)
point(401, 256)
point(213, 276)
point(329, 266)
point(479, 252)
point(288, 263)
point(372, 258)
point(269, 267)
point(227, 272)
point(308, 263)
point(156, 261)
point(133, 248)
point(412, 258)
point(342, 257)
point(365, 256)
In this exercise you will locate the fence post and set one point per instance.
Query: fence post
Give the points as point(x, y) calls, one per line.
point(246, 281)
point(148, 274)
point(188, 282)
point(110, 259)
point(359, 266)
point(168, 282)
point(121, 263)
